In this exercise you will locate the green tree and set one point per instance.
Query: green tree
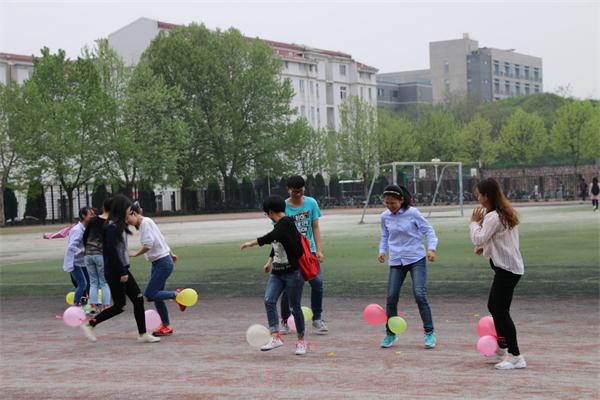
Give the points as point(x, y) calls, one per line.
point(523, 138)
point(36, 201)
point(357, 138)
point(475, 144)
point(304, 148)
point(397, 139)
point(570, 133)
point(437, 129)
point(235, 105)
point(66, 101)
point(11, 207)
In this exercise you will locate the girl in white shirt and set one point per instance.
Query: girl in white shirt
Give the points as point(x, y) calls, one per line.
point(495, 234)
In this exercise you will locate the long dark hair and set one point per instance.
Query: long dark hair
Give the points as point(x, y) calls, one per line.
point(118, 213)
point(491, 189)
point(400, 193)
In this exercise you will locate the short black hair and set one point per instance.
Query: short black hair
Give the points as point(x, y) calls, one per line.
point(83, 211)
point(274, 203)
point(400, 193)
point(295, 182)
point(106, 204)
point(136, 208)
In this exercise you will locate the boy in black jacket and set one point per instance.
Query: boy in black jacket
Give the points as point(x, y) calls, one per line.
point(285, 271)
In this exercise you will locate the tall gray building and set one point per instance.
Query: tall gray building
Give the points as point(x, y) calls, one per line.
point(461, 66)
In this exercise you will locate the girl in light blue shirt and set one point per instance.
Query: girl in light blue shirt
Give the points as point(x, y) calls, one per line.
point(402, 231)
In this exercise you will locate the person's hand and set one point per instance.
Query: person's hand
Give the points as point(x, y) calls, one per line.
point(478, 214)
point(124, 278)
point(430, 255)
point(320, 256)
point(132, 254)
point(174, 257)
point(245, 245)
point(478, 250)
point(381, 257)
point(268, 266)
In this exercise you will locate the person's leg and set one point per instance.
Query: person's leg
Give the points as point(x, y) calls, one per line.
point(504, 285)
point(102, 281)
point(285, 306)
point(316, 296)
point(294, 284)
point(395, 280)
point(79, 277)
point(90, 264)
point(418, 274)
point(87, 281)
point(161, 270)
point(274, 288)
point(117, 290)
point(135, 295)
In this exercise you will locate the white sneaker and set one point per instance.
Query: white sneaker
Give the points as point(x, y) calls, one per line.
point(512, 362)
point(320, 326)
point(148, 338)
point(284, 329)
point(300, 348)
point(274, 342)
point(497, 357)
point(88, 331)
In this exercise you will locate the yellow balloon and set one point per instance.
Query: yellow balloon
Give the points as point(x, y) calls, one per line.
point(308, 314)
point(70, 298)
point(187, 297)
point(99, 295)
point(397, 325)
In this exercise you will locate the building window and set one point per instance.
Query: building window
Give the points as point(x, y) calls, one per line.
point(395, 94)
point(517, 88)
point(370, 94)
point(506, 87)
point(517, 71)
point(342, 70)
point(496, 85)
point(536, 74)
point(301, 85)
point(506, 69)
point(446, 67)
point(317, 89)
point(319, 118)
point(303, 111)
point(447, 85)
point(526, 71)
point(527, 89)
point(362, 93)
point(312, 115)
point(342, 92)
point(536, 88)
point(287, 65)
point(312, 88)
point(496, 67)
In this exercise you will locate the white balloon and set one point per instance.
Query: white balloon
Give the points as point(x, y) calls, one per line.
point(257, 335)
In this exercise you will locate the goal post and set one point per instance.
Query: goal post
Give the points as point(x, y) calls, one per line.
point(429, 182)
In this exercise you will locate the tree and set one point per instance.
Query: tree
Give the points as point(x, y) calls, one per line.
point(235, 105)
point(475, 144)
point(437, 130)
point(67, 104)
point(11, 207)
point(99, 194)
point(305, 148)
point(358, 138)
point(396, 138)
point(570, 133)
point(523, 138)
point(36, 201)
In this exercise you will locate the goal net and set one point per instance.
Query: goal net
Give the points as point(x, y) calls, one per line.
point(436, 186)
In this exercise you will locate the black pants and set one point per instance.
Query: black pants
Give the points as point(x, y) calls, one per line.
point(501, 294)
point(595, 203)
point(118, 291)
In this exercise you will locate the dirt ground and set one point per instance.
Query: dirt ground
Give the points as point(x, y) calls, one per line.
point(208, 357)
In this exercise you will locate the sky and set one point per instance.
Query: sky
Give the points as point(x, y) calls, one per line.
point(389, 35)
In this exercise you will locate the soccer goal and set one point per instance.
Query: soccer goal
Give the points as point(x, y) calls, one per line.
point(433, 184)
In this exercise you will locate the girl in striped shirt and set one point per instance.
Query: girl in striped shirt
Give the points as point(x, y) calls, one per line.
point(495, 234)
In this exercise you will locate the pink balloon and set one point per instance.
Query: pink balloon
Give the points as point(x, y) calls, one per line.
point(153, 320)
point(487, 345)
point(74, 316)
point(375, 314)
point(485, 327)
point(291, 323)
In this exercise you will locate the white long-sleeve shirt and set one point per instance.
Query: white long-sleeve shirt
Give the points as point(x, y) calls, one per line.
point(75, 249)
point(499, 243)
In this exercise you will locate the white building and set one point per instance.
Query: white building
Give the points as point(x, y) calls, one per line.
point(15, 67)
point(321, 78)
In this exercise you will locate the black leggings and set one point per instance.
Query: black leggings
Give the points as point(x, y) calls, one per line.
point(595, 203)
point(501, 294)
point(118, 291)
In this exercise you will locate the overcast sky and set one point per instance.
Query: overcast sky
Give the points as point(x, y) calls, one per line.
point(391, 36)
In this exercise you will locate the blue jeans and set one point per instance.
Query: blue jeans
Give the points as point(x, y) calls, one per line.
point(418, 274)
point(95, 267)
point(80, 276)
point(316, 299)
point(155, 291)
point(293, 283)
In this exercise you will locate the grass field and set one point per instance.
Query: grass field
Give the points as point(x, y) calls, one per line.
point(560, 246)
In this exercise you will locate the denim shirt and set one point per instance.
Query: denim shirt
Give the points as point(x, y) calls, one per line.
point(402, 235)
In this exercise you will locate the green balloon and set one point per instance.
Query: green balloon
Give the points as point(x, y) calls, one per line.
point(397, 325)
point(308, 314)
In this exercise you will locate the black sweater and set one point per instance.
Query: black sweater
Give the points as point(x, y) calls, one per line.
point(286, 233)
point(114, 251)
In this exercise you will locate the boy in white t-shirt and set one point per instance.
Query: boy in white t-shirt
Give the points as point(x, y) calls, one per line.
point(155, 249)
